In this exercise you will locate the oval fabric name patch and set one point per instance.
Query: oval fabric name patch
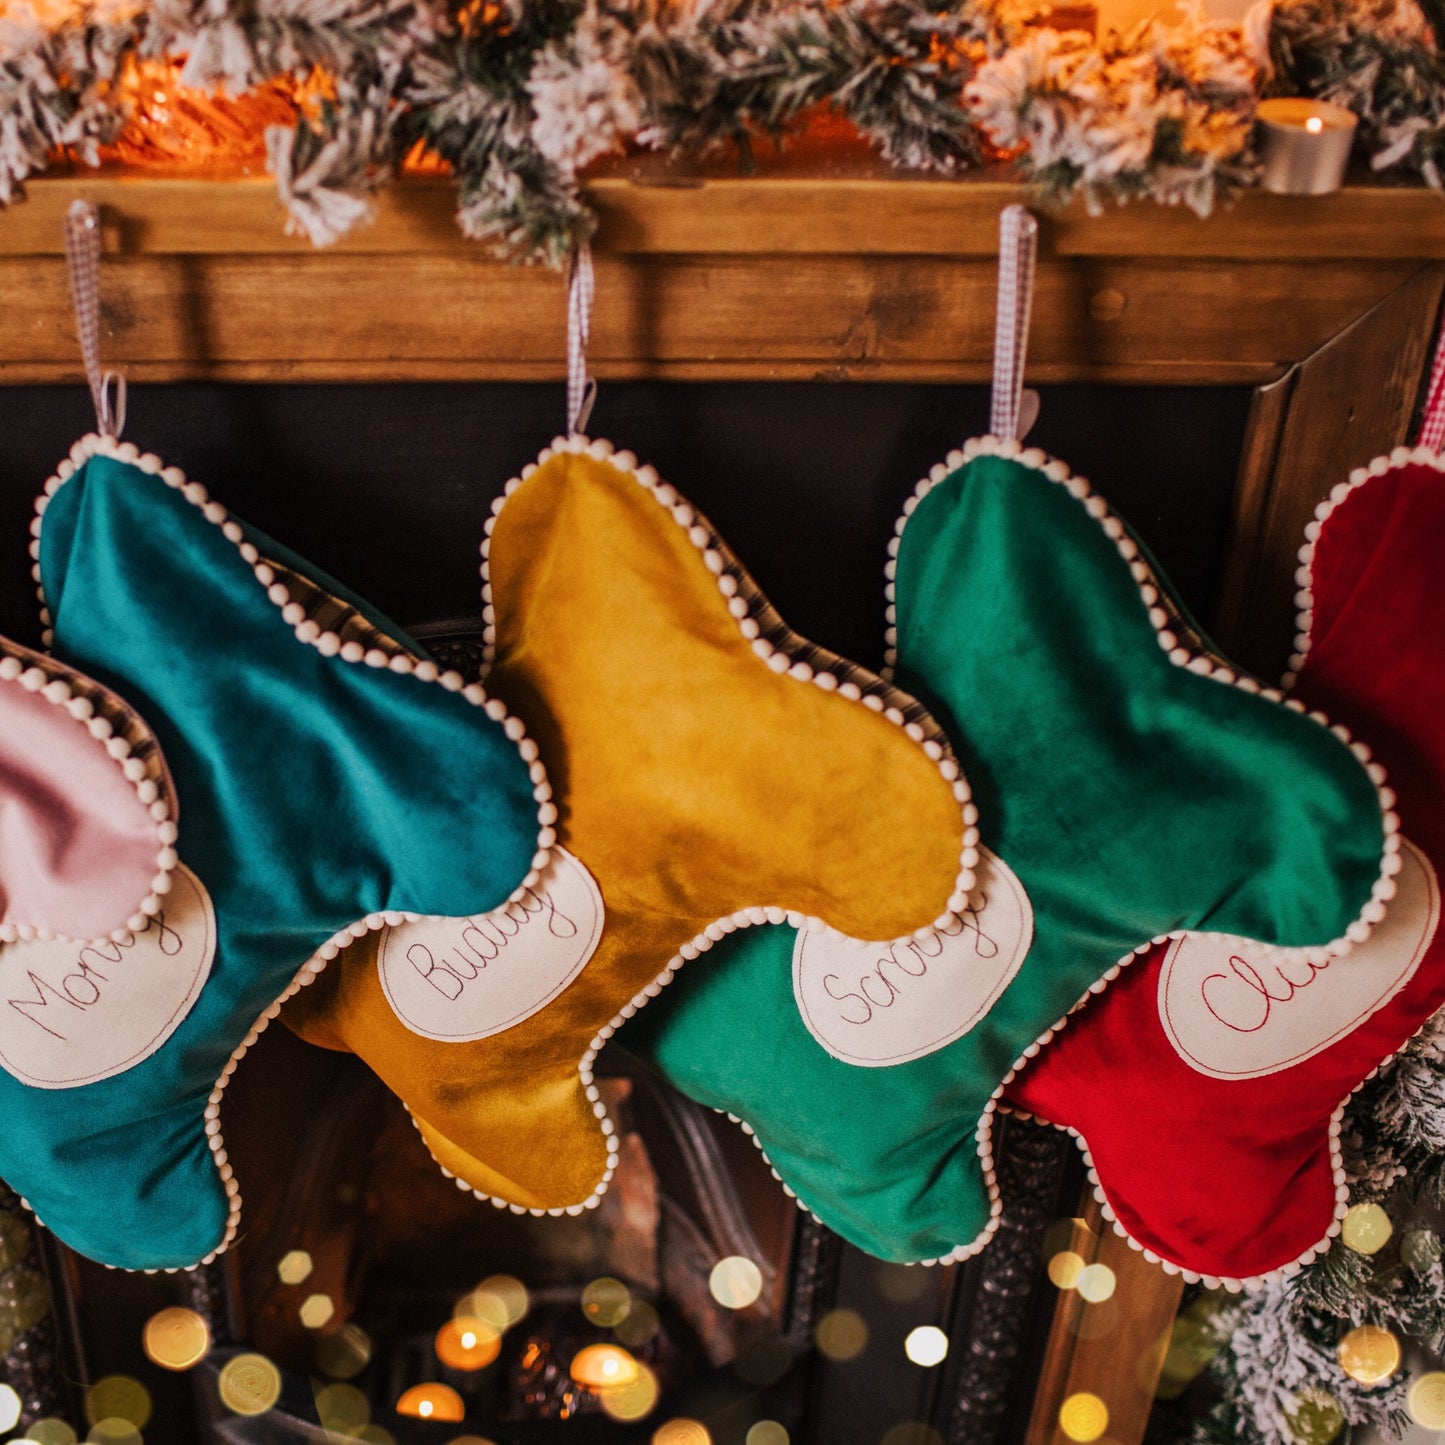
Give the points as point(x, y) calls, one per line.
point(878, 1004)
point(458, 979)
point(76, 1013)
point(1234, 1009)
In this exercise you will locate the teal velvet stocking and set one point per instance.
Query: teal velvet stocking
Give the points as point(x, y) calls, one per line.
point(314, 790)
point(1131, 795)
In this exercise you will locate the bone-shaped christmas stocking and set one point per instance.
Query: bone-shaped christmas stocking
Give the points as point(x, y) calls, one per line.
point(711, 771)
point(1127, 786)
point(1208, 1082)
point(327, 780)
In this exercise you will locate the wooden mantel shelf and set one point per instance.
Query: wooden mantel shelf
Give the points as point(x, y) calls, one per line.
point(781, 276)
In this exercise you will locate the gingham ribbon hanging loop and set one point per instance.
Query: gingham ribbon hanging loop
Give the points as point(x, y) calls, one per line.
point(1009, 416)
point(82, 258)
point(581, 387)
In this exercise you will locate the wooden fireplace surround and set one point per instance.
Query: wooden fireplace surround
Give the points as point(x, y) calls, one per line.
point(1326, 306)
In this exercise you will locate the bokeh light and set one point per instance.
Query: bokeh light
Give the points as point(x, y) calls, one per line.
point(1315, 1418)
point(1083, 1417)
point(1065, 1268)
point(1426, 1401)
point(1189, 1347)
point(606, 1302)
point(294, 1267)
point(682, 1432)
point(174, 1339)
point(432, 1401)
point(735, 1282)
point(316, 1310)
point(118, 1397)
point(9, 1408)
point(640, 1326)
point(603, 1367)
point(635, 1401)
point(1369, 1354)
point(767, 1432)
point(468, 1343)
point(1366, 1228)
point(344, 1354)
point(913, 1432)
point(927, 1345)
point(114, 1430)
point(764, 1361)
point(250, 1385)
point(342, 1408)
point(1095, 1283)
point(500, 1300)
point(51, 1431)
point(841, 1335)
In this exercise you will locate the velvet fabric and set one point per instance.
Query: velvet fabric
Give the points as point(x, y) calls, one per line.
point(1234, 1177)
point(314, 791)
point(79, 849)
point(693, 781)
point(1130, 796)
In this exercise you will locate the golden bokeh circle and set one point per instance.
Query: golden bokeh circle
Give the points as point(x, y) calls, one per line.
point(343, 1354)
point(51, 1431)
point(767, 1432)
point(841, 1335)
point(635, 1401)
point(468, 1343)
point(500, 1300)
point(1065, 1268)
point(1083, 1417)
point(342, 1408)
point(294, 1267)
point(1316, 1419)
point(118, 1397)
point(1369, 1354)
point(640, 1326)
point(682, 1432)
point(250, 1385)
point(1426, 1401)
point(316, 1310)
point(927, 1346)
point(735, 1282)
point(1366, 1228)
point(606, 1301)
point(1095, 1283)
point(603, 1367)
point(114, 1430)
point(10, 1408)
point(432, 1401)
point(176, 1339)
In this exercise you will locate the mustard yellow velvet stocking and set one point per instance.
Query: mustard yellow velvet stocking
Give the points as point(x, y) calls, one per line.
point(708, 766)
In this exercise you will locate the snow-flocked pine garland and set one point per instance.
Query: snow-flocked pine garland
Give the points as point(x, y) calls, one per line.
point(516, 97)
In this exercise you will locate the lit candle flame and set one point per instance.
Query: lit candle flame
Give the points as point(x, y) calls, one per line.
point(1314, 125)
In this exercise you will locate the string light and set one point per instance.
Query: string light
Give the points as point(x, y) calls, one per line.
point(250, 1384)
point(603, 1367)
point(1083, 1417)
point(841, 1335)
point(1426, 1401)
point(174, 1339)
point(606, 1302)
point(316, 1311)
point(1366, 1228)
point(735, 1282)
point(635, 1401)
point(118, 1397)
point(927, 1345)
point(432, 1401)
point(1369, 1354)
point(468, 1343)
point(1065, 1268)
point(294, 1267)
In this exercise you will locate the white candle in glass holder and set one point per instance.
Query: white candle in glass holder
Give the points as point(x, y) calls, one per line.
point(1304, 145)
